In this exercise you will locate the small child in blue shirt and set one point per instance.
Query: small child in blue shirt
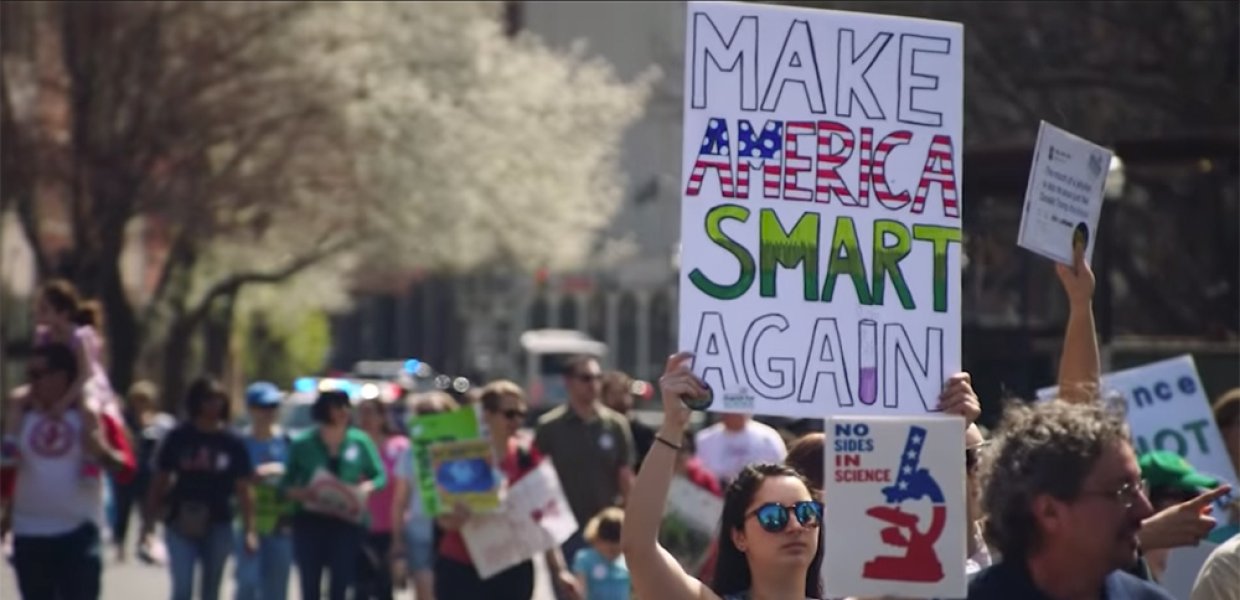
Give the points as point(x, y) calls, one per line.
point(600, 568)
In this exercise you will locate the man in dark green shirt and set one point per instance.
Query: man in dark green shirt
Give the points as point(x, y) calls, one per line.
point(590, 445)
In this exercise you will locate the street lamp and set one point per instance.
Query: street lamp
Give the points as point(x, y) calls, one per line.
point(1113, 190)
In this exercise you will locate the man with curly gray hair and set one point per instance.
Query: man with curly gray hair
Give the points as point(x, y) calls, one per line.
point(1063, 498)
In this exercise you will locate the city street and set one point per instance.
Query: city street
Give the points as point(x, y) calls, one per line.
point(133, 580)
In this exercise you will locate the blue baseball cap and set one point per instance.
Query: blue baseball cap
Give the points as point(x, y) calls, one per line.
point(263, 394)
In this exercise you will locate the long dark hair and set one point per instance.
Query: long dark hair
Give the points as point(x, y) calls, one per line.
point(731, 567)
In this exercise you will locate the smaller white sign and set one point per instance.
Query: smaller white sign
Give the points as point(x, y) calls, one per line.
point(1064, 198)
point(535, 518)
point(697, 507)
point(333, 497)
point(896, 491)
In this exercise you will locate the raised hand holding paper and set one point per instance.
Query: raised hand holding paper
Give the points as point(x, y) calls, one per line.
point(1065, 193)
point(820, 209)
point(896, 491)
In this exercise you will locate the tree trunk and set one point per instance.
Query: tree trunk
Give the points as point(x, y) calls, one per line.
point(218, 333)
point(177, 349)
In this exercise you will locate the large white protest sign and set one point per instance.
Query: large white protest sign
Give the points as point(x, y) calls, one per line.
point(821, 209)
point(896, 492)
point(1168, 410)
point(535, 518)
point(1064, 197)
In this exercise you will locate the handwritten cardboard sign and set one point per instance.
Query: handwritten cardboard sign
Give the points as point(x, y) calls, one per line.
point(821, 209)
point(1065, 193)
point(896, 491)
point(535, 517)
point(333, 497)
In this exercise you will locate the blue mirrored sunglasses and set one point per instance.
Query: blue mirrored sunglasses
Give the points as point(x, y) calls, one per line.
point(773, 516)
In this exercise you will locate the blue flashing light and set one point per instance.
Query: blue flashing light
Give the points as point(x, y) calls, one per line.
point(306, 385)
point(412, 365)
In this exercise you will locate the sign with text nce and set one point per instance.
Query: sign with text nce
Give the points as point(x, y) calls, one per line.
point(895, 488)
point(821, 209)
point(1168, 410)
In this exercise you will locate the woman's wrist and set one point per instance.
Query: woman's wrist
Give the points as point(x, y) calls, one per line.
point(672, 433)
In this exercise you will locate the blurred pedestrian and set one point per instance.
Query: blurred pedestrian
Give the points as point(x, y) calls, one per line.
point(736, 441)
point(591, 446)
point(504, 408)
point(147, 427)
point(619, 394)
point(201, 469)
point(415, 540)
point(600, 567)
point(264, 574)
point(1064, 500)
point(57, 511)
point(325, 540)
point(1219, 578)
point(374, 572)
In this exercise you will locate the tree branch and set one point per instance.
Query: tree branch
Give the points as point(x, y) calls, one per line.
point(233, 283)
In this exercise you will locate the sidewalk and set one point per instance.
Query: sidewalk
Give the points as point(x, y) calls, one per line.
point(133, 580)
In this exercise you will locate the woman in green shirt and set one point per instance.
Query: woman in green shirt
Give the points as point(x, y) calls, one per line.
point(331, 470)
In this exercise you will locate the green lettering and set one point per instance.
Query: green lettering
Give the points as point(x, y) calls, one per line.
point(714, 231)
point(846, 259)
point(887, 261)
point(941, 237)
point(779, 248)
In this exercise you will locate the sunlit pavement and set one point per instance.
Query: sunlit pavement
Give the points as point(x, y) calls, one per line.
point(133, 580)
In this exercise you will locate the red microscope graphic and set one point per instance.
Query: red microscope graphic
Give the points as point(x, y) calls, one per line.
point(920, 563)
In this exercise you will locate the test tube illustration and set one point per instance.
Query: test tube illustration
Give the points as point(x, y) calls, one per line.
point(867, 340)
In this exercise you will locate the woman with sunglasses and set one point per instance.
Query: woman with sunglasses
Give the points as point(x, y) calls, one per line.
point(768, 533)
point(504, 410)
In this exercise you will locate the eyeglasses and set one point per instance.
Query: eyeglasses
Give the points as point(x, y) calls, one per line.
point(37, 374)
point(773, 516)
point(513, 413)
point(1126, 495)
point(587, 377)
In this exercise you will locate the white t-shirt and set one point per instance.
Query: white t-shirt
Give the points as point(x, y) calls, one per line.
point(51, 496)
point(1219, 578)
point(725, 453)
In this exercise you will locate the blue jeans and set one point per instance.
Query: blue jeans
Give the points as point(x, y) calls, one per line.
point(211, 551)
point(420, 544)
point(264, 574)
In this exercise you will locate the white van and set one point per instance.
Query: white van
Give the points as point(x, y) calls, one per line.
point(545, 352)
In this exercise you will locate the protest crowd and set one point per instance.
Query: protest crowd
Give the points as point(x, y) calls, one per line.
point(1059, 505)
point(464, 494)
